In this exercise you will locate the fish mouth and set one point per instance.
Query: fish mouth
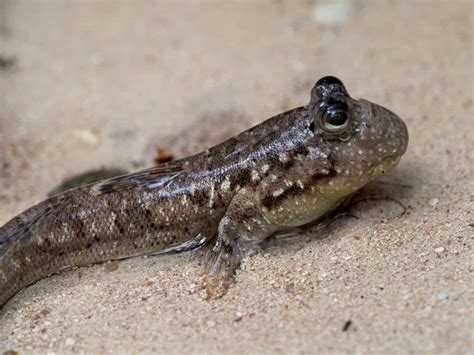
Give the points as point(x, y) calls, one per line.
point(385, 165)
point(392, 158)
point(388, 163)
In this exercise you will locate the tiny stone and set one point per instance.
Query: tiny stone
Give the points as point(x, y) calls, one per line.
point(332, 12)
point(87, 137)
point(443, 295)
point(192, 288)
point(211, 323)
point(322, 276)
point(69, 342)
point(433, 202)
point(290, 288)
point(111, 266)
point(238, 316)
point(439, 250)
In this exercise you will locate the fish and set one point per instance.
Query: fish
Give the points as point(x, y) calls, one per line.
point(286, 172)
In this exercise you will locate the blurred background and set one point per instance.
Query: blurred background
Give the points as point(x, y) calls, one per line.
point(102, 82)
point(91, 84)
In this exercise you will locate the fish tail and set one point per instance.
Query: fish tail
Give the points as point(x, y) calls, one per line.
point(13, 234)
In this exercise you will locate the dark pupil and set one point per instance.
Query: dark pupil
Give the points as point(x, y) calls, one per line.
point(335, 116)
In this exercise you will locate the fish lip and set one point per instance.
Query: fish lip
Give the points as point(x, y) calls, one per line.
point(391, 161)
point(392, 157)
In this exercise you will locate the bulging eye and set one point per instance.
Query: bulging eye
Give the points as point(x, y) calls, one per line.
point(334, 117)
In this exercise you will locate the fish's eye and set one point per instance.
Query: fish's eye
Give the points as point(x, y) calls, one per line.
point(334, 117)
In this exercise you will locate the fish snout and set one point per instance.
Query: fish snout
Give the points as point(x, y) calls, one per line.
point(386, 130)
point(396, 134)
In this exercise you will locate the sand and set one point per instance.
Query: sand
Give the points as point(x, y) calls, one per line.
point(101, 84)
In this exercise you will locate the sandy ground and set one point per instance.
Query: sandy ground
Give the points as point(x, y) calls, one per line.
point(100, 84)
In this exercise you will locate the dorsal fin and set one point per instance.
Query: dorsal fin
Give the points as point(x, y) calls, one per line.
point(149, 178)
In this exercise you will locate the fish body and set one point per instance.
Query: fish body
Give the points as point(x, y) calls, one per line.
point(288, 171)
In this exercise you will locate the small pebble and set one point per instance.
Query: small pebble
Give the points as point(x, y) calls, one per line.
point(69, 342)
point(111, 266)
point(192, 288)
point(332, 12)
point(322, 276)
point(433, 202)
point(290, 288)
point(211, 323)
point(87, 137)
point(443, 295)
point(439, 250)
point(238, 316)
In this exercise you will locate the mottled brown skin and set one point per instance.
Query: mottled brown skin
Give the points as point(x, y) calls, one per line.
point(286, 172)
